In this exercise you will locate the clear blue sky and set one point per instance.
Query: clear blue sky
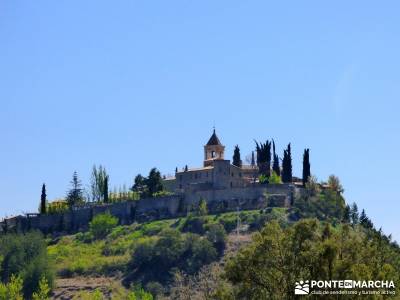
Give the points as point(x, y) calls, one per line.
point(138, 84)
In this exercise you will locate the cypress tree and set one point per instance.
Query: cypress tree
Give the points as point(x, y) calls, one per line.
point(287, 165)
point(264, 158)
point(105, 190)
point(43, 200)
point(253, 162)
point(236, 161)
point(306, 166)
point(275, 165)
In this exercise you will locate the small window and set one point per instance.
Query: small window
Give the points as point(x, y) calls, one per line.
point(233, 175)
point(212, 154)
point(180, 177)
point(231, 184)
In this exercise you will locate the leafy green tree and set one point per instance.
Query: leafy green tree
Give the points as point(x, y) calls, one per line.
point(264, 158)
point(43, 201)
point(306, 166)
point(102, 224)
point(334, 184)
point(140, 185)
point(99, 184)
point(236, 161)
point(154, 182)
point(75, 194)
point(25, 255)
point(275, 165)
point(269, 267)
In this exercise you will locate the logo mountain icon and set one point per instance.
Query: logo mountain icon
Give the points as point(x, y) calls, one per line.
point(302, 288)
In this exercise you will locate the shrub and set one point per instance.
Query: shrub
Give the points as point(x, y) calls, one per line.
point(202, 253)
point(229, 221)
point(43, 290)
point(102, 224)
point(194, 224)
point(12, 290)
point(275, 178)
point(216, 234)
point(25, 256)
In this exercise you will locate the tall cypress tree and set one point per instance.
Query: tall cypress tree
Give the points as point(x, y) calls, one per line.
point(105, 190)
point(306, 166)
point(43, 200)
point(264, 158)
point(287, 165)
point(253, 162)
point(275, 164)
point(236, 161)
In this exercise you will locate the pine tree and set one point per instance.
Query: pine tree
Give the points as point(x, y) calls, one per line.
point(75, 194)
point(354, 214)
point(287, 165)
point(306, 166)
point(275, 165)
point(236, 161)
point(43, 200)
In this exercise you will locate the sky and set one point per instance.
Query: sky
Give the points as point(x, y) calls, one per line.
point(133, 85)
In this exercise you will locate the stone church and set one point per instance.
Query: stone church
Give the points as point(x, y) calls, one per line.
point(216, 172)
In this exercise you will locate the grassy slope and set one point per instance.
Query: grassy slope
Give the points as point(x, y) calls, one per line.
point(78, 255)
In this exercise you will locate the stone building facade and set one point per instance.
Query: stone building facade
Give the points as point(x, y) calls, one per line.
point(216, 173)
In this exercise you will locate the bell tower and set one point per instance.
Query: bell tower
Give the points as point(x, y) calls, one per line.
point(213, 150)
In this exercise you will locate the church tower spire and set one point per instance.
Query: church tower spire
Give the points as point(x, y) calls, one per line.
point(213, 150)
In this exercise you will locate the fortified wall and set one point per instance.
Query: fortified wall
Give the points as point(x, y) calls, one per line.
point(257, 196)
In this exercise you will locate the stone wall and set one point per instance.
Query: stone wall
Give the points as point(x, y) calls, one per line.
point(218, 200)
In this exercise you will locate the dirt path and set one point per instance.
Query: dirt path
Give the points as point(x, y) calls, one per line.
point(67, 288)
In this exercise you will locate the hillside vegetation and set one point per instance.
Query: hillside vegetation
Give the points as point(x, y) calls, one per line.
point(248, 255)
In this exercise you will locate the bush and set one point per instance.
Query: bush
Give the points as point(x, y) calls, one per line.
point(194, 224)
point(275, 178)
point(102, 224)
point(216, 234)
point(25, 255)
point(229, 221)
